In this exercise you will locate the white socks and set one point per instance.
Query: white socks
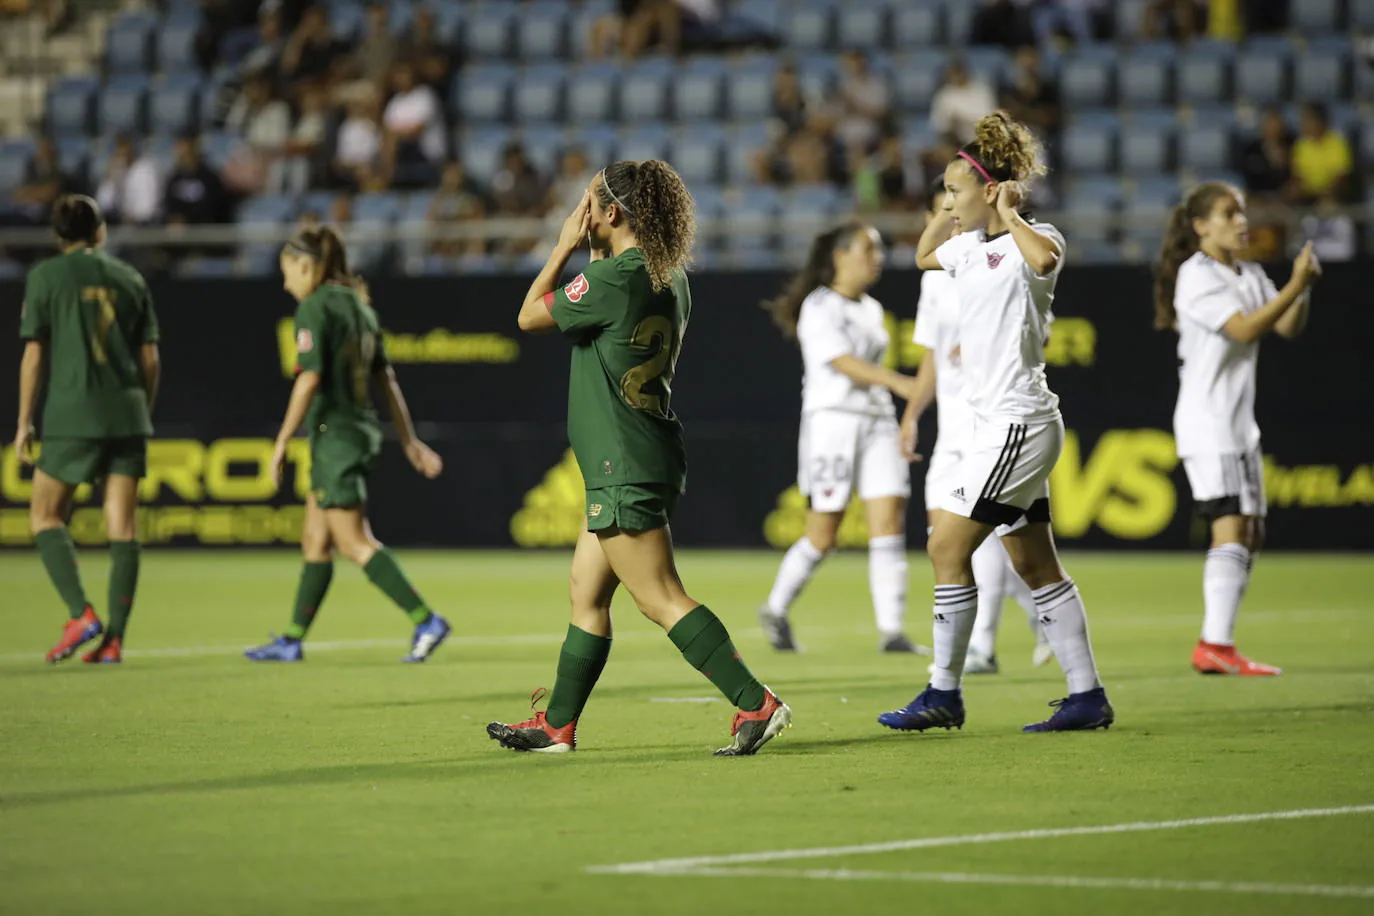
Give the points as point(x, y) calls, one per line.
point(798, 566)
point(1066, 626)
point(955, 609)
point(1225, 576)
point(887, 578)
point(991, 572)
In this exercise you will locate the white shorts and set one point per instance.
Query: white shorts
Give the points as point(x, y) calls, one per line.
point(1004, 477)
point(1228, 484)
point(839, 452)
point(942, 464)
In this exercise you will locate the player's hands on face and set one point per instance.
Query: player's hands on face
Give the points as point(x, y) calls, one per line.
point(277, 465)
point(23, 444)
point(424, 459)
point(1306, 267)
point(577, 225)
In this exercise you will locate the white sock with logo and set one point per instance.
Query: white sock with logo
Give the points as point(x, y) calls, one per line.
point(1066, 626)
point(990, 573)
point(1225, 576)
point(887, 578)
point(798, 566)
point(956, 606)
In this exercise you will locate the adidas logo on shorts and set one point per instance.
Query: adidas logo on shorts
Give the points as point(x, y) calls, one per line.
point(959, 495)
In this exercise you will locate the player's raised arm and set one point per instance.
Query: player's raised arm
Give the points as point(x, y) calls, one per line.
point(536, 316)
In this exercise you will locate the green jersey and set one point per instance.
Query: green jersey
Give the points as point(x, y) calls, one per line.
point(626, 340)
point(337, 335)
point(93, 313)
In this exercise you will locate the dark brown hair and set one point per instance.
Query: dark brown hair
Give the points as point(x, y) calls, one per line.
point(819, 270)
point(1181, 243)
point(659, 211)
point(1006, 148)
point(77, 218)
point(327, 249)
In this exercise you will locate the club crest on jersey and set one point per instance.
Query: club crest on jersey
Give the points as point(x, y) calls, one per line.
point(994, 259)
point(304, 341)
point(577, 288)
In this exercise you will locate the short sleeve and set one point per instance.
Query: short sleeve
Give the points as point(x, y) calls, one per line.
point(1054, 235)
point(820, 332)
point(1201, 296)
point(34, 315)
point(310, 337)
point(591, 302)
point(1271, 292)
point(926, 319)
point(149, 332)
point(952, 253)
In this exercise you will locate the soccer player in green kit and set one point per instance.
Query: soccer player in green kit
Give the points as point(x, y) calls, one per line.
point(339, 356)
point(90, 318)
point(625, 316)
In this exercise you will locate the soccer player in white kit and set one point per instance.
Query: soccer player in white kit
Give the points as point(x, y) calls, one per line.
point(1005, 268)
point(940, 380)
point(1221, 306)
point(848, 440)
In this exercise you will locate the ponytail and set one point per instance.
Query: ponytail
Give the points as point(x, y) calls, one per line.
point(658, 209)
point(326, 247)
point(819, 270)
point(1004, 149)
point(1181, 243)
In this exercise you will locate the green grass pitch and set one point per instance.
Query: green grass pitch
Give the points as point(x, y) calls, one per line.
point(190, 781)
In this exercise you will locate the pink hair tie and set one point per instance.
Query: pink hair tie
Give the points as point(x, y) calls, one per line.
point(977, 165)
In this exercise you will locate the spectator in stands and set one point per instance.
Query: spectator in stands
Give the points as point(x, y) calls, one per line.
point(413, 130)
point(1049, 18)
point(357, 155)
point(1174, 20)
point(864, 104)
point(1001, 22)
point(44, 182)
point(880, 180)
point(218, 18)
point(517, 190)
point(312, 52)
point(958, 104)
point(1322, 161)
point(458, 199)
point(664, 24)
point(423, 50)
point(567, 188)
point(131, 191)
point(263, 124)
point(1028, 96)
point(304, 161)
point(1266, 161)
point(789, 101)
point(194, 194)
point(369, 64)
point(264, 59)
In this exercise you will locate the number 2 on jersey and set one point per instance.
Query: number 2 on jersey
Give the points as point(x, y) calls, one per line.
point(104, 297)
point(656, 330)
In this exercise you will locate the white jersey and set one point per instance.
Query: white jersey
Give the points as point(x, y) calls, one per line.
point(1004, 313)
point(1215, 413)
point(937, 329)
point(831, 326)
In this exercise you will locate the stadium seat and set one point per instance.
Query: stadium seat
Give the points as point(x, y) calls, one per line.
point(69, 106)
point(346, 21)
point(1096, 251)
point(448, 21)
point(265, 210)
point(958, 23)
point(865, 26)
point(544, 144)
point(1261, 77)
point(216, 146)
point(810, 26)
point(14, 163)
point(1204, 148)
point(644, 141)
point(539, 93)
point(1203, 80)
point(123, 104)
point(1086, 79)
point(1321, 75)
point(1154, 196)
point(915, 79)
point(1088, 147)
point(1146, 147)
point(765, 15)
point(643, 95)
point(489, 33)
point(598, 141)
point(541, 31)
point(480, 148)
point(317, 202)
point(745, 141)
point(174, 104)
point(991, 63)
point(917, 23)
point(697, 154)
point(1362, 17)
point(749, 90)
point(129, 43)
point(697, 93)
point(482, 93)
point(74, 155)
point(1314, 17)
point(1145, 79)
point(176, 42)
point(709, 200)
point(591, 94)
point(819, 75)
point(917, 134)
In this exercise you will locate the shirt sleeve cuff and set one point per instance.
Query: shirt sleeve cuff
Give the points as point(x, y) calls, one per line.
point(548, 301)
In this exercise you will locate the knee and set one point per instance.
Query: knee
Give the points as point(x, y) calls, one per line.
point(123, 529)
point(41, 518)
point(358, 551)
point(948, 557)
point(823, 541)
point(1036, 573)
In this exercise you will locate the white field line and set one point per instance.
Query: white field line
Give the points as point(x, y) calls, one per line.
point(1071, 881)
point(661, 866)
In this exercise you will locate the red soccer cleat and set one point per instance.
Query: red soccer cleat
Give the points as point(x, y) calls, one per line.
point(535, 734)
point(107, 653)
point(752, 729)
point(75, 634)
point(1209, 658)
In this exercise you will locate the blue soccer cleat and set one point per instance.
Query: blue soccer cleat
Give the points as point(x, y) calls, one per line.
point(932, 709)
point(428, 637)
point(281, 649)
point(1078, 712)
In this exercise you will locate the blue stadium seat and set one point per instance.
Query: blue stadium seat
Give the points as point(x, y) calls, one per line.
point(1088, 147)
point(917, 23)
point(1203, 80)
point(69, 105)
point(448, 20)
point(749, 90)
point(1312, 17)
point(539, 93)
point(266, 210)
point(129, 43)
point(1261, 77)
point(989, 62)
point(1092, 195)
point(810, 26)
point(865, 26)
point(643, 95)
point(317, 202)
point(544, 145)
point(1153, 196)
point(123, 104)
point(1362, 16)
point(176, 42)
point(346, 20)
point(174, 104)
point(1146, 147)
point(598, 141)
point(377, 207)
point(1204, 148)
point(1091, 251)
point(816, 201)
point(917, 134)
point(958, 23)
point(14, 163)
point(697, 154)
point(74, 153)
point(644, 141)
point(745, 141)
point(482, 93)
point(752, 18)
point(915, 80)
point(698, 92)
point(479, 149)
point(709, 200)
point(1129, 16)
point(216, 146)
point(1085, 79)
point(541, 31)
point(1145, 80)
point(490, 32)
point(399, 17)
point(591, 93)
point(820, 75)
point(1321, 75)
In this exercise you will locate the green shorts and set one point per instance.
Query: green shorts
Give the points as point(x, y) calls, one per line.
point(339, 465)
point(78, 461)
point(631, 507)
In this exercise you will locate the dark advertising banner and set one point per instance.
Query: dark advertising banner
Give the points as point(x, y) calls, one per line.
point(492, 401)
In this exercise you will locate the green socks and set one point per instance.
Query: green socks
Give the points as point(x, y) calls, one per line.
point(315, 579)
point(59, 559)
point(579, 665)
point(124, 561)
point(704, 642)
point(384, 572)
